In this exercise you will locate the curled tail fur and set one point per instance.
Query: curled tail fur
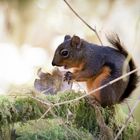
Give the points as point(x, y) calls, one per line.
point(133, 79)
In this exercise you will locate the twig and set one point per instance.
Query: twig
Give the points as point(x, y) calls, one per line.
point(129, 108)
point(97, 89)
point(93, 91)
point(41, 101)
point(46, 91)
point(49, 105)
point(45, 113)
point(93, 29)
point(127, 120)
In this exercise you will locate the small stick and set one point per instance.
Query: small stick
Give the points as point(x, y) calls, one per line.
point(93, 29)
point(41, 101)
point(129, 108)
point(128, 118)
point(101, 87)
point(93, 91)
point(45, 113)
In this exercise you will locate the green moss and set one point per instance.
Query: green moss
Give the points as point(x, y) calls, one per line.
point(77, 117)
point(18, 109)
point(83, 115)
point(51, 129)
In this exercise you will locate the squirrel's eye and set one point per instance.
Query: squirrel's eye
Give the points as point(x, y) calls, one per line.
point(64, 53)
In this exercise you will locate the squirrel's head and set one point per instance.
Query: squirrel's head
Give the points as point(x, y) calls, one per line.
point(68, 53)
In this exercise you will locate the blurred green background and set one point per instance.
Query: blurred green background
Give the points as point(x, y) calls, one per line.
point(30, 31)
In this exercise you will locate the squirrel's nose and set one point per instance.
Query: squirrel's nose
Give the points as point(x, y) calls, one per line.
point(53, 63)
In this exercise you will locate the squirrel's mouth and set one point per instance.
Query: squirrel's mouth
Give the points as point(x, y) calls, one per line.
point(66, 67)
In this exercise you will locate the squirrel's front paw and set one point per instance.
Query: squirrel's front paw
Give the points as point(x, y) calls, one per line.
point(68, 77)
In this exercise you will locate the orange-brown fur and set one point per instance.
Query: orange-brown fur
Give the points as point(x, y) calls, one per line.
point(79, 67)
point(95, 82)
point(76, 71)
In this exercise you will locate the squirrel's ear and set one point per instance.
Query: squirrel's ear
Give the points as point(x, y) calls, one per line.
point(67, 37)
point(76, 41)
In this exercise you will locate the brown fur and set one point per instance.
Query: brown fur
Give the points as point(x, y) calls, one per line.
point(95, 82)
point(79, 67)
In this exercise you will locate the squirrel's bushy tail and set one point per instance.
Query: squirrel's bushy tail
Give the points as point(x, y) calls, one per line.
point(133, 79)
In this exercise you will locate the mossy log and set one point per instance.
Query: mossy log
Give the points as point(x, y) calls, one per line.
point(20, 118)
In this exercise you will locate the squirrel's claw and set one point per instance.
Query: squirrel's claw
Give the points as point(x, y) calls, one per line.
point(68, 77)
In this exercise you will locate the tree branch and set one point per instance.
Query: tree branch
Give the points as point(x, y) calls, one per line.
point(93, 29)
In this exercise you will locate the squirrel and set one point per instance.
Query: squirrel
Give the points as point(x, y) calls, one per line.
point(97, 65)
